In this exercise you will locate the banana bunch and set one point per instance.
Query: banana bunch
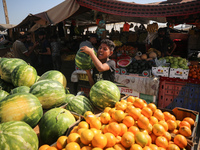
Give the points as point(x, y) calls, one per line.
point(154, 50)
point(152, 27)
point(117, 43)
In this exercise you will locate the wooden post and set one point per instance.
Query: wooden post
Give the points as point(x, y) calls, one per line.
point(5, 11)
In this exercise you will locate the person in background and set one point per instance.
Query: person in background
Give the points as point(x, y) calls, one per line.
point(101, 27)
point(163, 43)
point(104, 67)
point(44, 53)
point(21, 51)
point(55, 48)
point(90, 43)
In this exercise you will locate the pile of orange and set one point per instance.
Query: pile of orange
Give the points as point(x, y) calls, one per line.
point(194, 71)
point(132, 124)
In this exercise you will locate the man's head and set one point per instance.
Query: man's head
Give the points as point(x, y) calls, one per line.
point(105, 49)
point(93, 38)
point(41, 35)
point(28, 37)
point(22, 37)
point(161, 32)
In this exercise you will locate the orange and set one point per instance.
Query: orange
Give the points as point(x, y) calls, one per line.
point(127, 139)
point(147, 112)
point(152, 106)
point(149, 139)
point(171, 125)
point(111, 139)
point(119, 115)
point(141, 139)
point(173, 117)
point(158, 114)
point(81, 130)
point(99, 140)
point(167, 135)
point(190, 120)
point(51, 148)
point(180, 140)
point(144, 131)
point(110, 148)
point(147, 148)
point(94, 130)
point(118, 139)
point(131, 99)
point(185, 131)
point(114, 128)
point(120, 106)
point(95, 124)
point(143, 122)
point(74, 130)
point(83, 124)
point(173, 147)
point(44, 147)
point(107, 109)
point(123, 129)
point(161, 141)
point(184, 123)
point(178, 122)
point(149, 128)
point(89, 118)
point(119, 147)
point(161, 148)
point(105, 117)
point(167, 115)
point(129, 107)
point(86, 148)
point(72, 145)
point(61, 142)
point(73, 137)
point(105, 129)
point(153, 120)
point(136, 147)
point(111, 111)
point(128, 121)
point(112, 120)
point(133, 129)
point(153, 138)
point(138, 103)
point(158, 129)
point(97, 148)
point(164, 124)
point(175, 131)
point(153, 147)
point(86, 136)
point(135, 113)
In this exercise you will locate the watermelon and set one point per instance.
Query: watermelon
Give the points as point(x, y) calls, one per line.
point(80, 104)
point(6, 86)
point(67, 90)
point(123, 62)
point(21, 107)
point(104, 94)
point(55, 123)
point(18, 135)
point(54, 75)
point(50, 93)
point(1, 60)
point(69, 97)
point(3, 94)
point(24, 75)
point(20, 89)
point(7, 66)
point(83, 61)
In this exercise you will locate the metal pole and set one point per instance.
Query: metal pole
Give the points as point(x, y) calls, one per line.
point(5, 11)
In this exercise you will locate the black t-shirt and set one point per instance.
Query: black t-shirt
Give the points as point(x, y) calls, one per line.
point(106, 75)
point(162, 45)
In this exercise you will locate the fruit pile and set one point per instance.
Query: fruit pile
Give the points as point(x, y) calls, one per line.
point(194, 71)
point(176, 62)
point(125, 49)
point(131, 124)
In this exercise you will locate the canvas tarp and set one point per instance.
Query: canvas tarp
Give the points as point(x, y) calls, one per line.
point(6, 26)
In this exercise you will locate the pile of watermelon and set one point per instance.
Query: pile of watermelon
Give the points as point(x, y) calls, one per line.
point(28, 100)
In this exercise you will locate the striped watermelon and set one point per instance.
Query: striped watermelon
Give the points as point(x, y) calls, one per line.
point(21, 107)
point(1, 61)
point(24, 75)
point(49, 92)
point(54, 75)
point(83, 61)
point(55, 123)
point(3, 94)
point(104, 94)
point(20, 89)
point(69, 97)
point(17, 135)
point(7, 66)
point(6, 86)
point(80, 104)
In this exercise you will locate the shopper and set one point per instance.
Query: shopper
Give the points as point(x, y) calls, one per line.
point(163, 43)
point(104, 67)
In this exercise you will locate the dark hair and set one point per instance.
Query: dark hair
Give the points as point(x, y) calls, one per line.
point(22, 36)
point(41, 32)
point(109, 43)
point(93, 35)
point(161, 29)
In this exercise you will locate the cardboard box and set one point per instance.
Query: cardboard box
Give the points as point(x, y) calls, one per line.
point(160, 71)
point(179, 73)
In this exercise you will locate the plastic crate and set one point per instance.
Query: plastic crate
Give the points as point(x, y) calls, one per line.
point(179, 93)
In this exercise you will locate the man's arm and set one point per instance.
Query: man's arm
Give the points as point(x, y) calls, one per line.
point(91, 81)
point(46, 53)
point(28, 53)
